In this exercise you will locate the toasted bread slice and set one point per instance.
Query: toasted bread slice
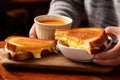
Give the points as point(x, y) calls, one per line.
point(93, 40)
point(22, 48)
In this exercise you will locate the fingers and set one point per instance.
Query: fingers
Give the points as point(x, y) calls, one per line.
point(32, 32)
point(110, 57)
point(112, 53)
point(108, 62)
point(111, 29)
point(114, 31)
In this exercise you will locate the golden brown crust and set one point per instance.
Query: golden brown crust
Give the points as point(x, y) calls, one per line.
point(95, 51)
point(95, 38)
point(22, 48)
point(99, 42)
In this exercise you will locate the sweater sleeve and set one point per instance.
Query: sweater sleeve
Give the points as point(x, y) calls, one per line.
point(71, 8)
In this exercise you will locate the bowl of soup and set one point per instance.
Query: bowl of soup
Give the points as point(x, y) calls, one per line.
point(47, 24)
point(53, 22)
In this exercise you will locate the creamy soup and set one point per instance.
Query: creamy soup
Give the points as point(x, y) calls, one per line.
point(52, 22)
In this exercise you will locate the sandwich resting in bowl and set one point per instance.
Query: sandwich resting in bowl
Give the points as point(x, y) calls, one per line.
point(93, 40)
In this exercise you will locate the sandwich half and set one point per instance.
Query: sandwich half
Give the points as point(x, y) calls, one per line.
point(93, 40)
point(22, 48)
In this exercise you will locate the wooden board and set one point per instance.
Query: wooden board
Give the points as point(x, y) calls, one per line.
point(55, 62)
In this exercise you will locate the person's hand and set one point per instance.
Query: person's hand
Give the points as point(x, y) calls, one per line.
point(32, 32)
point(112, 56)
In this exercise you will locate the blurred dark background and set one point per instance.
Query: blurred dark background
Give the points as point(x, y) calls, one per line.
point(16, 16)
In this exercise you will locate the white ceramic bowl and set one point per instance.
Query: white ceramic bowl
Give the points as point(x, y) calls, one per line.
point(76, 54)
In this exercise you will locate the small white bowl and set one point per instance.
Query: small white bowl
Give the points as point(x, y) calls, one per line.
point(77, 54)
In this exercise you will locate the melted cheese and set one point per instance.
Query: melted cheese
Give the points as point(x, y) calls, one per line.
point(81, 44)
point(36, 53)
point(11, 52)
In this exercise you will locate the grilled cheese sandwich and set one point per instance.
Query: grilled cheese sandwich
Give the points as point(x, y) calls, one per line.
point(25, 47)
point(93, 40)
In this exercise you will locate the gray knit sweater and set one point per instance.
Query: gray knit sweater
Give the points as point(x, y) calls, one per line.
point(100, 13)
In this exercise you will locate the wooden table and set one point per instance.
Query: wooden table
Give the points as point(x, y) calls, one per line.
point(24, 75)
point(41, 75)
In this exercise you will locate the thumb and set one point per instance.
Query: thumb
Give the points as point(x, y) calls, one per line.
point(32, 32)
point(113, 31)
